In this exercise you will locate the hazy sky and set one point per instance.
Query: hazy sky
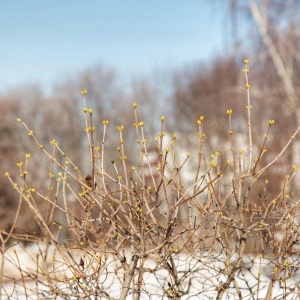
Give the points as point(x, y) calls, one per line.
point(46, 40)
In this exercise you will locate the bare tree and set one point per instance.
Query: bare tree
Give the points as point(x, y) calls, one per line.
point(272, 41)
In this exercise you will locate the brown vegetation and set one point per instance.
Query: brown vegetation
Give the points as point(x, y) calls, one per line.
point(203, 202)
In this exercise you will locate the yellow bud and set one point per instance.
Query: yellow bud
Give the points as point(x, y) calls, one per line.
point(271, 122)
point(287, 263)
point(213, 164)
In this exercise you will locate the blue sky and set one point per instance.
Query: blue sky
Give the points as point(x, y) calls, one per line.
point(44, 41)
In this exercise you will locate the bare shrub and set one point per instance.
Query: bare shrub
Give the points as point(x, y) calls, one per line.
point(145, 231)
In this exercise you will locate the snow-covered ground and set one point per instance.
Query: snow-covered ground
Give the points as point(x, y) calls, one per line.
point(198, 276)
